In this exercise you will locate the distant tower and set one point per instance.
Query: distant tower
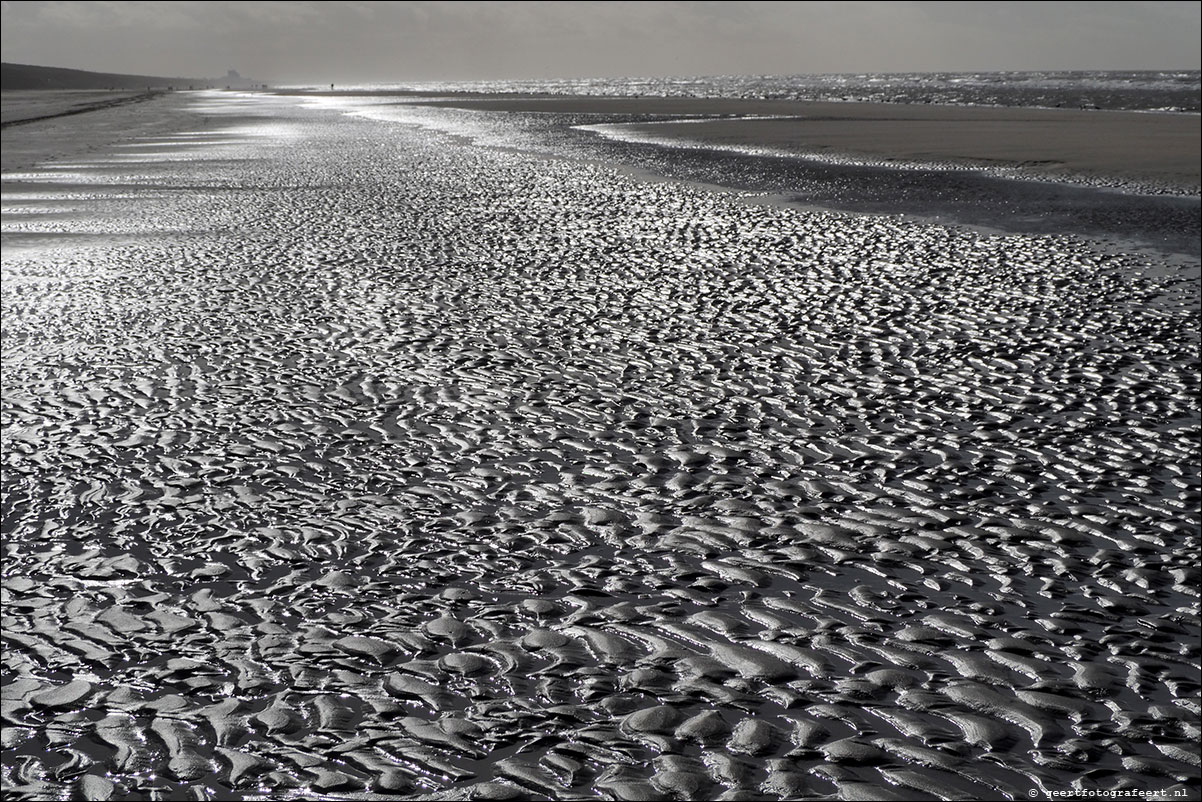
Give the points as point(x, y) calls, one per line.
point(233, 75)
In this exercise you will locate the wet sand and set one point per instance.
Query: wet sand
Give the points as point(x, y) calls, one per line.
point(345, 459)
point(1145, 147)
point(58, 125)
point(26, 106)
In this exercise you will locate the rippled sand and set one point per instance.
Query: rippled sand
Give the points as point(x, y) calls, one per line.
point(345, 460)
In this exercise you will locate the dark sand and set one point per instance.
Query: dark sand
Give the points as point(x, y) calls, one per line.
point(62, 124)
point(27, 106)
point(1159, 148)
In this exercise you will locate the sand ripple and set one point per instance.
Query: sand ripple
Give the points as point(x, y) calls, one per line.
point(369, 464)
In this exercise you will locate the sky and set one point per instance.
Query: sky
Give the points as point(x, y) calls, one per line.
point(341, 42)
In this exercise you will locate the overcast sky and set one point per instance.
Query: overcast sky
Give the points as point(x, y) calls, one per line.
point(399, 41)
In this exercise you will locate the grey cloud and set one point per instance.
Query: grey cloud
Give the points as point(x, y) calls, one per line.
point(320, 41)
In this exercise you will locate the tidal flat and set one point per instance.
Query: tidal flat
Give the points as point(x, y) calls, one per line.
point(349, 459)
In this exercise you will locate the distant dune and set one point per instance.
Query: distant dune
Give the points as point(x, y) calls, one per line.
point(25, 76)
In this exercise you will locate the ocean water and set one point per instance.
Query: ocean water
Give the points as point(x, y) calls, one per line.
point(1163, 91)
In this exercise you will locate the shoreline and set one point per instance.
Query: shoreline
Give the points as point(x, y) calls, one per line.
point(1161, 149)
point(709, 153)
point(1153, 202)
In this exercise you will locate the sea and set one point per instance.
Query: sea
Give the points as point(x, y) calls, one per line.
point(1178, 91)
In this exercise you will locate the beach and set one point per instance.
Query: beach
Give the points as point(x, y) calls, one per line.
point(351, 455)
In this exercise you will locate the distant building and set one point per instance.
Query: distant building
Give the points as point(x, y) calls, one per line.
point(234, 80)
